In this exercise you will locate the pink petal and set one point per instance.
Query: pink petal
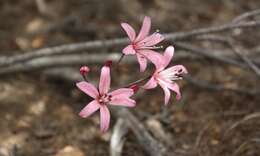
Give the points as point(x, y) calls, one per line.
point(175, 87)
point(175, 70)
point(104, 118)
point(168, 54)
point(122, 92)
point(88, 88)
point(118, 101)
point(167, 93)
point(154, 57)
point(145, 29)
point(104, 83)
point(89, 109)
point(142, 62)
point(152, 83)
point(151, 40)
point(129, 30)
point(129, 50)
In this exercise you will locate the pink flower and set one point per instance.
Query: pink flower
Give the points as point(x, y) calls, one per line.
point(142, 45)
point(166, 77)
point(103, 98)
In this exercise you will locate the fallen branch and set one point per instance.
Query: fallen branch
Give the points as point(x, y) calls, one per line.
point(244, 120)
point(218, 87)
point(208, 54)
point(79, 59)
point(249, 62)
point(230, 43)
point(246, 15)
point(118, 137)
point(76, 47)
point(58, 61)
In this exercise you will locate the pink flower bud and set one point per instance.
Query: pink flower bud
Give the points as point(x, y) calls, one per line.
point(108, 63)
point(84, 70)
point(135, 88)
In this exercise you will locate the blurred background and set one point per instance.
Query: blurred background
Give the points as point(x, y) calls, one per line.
point(39, 112)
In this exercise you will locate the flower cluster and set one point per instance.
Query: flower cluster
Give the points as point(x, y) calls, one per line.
point(143, 46)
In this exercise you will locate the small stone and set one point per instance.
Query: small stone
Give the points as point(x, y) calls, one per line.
point(70, 151)
point(214, 142)
point(38, 108)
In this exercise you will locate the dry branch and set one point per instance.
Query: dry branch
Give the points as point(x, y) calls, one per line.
point(80, 59)
point(218, 87)
point(118, 137)
point(76, 47)
point(245, 119)
point(208, 54)
point(246, 15)
point(249, 62)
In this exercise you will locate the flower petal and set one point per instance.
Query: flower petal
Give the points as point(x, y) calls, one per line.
point(88, 88)
point(122, 92)
point(129, 50)
point(118, 101)
point(104, 118)
point(175, 87)
point(129, 30)
point(142, 62)
point(144, 31)
point(151, 40)
point(167, 93)
point(154, 57)
point(174, 71)
point(150, 84)
point(104, 83)
point(89, 109)
point(168, 54)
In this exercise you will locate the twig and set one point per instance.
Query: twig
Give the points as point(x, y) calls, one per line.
point(79, 59)
point(209, 54)
point(199, 137)
point(250, 63)
point(245, 119)
point(118, 137)
point(76, 59)
point(75, 47)
point(150, 145)
point(212, 38)
point(59, 61)
point(214, 29)
point(216, 87)
point(236, 50)
point(62, 49)
point(246, 15)
point(243, 145)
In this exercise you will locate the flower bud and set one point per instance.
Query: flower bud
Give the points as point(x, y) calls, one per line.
point(84, 70)
point(135, 88)
point(108, 63)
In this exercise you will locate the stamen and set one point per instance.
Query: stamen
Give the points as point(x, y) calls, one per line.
point(152, 47)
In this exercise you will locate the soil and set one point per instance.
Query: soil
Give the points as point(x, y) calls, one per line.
point(39, 115)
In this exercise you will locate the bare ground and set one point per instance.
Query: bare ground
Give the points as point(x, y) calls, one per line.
point(38, 115)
